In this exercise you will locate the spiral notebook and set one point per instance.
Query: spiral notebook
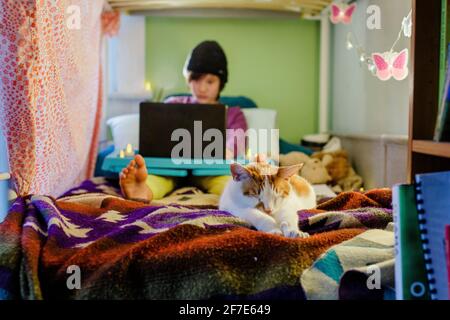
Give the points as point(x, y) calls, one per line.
point(447, 247)
point(433, 206)
point(410, 277)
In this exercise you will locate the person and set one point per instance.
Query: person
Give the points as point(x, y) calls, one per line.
point(206, 73)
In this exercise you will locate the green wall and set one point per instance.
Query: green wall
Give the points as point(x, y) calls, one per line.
point(273, 61)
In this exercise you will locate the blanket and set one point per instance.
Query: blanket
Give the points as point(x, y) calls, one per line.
point(184, 196)
point(99, 246)
point(359, 268)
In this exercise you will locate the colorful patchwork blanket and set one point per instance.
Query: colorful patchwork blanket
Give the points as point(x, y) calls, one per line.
point(92, 244)
point(359, 268)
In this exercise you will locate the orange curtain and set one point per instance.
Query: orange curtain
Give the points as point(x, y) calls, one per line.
point(51, 90)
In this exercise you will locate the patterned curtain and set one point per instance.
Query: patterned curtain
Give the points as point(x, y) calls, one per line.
point(51, 91)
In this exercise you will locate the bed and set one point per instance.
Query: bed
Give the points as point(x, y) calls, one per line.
point(183, 247)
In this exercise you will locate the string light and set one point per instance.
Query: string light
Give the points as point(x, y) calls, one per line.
point(372, 68)
point(349, 41)
point(362, 58)
point(352, 42)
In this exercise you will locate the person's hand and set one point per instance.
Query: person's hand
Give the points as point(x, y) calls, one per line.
point(229, 154)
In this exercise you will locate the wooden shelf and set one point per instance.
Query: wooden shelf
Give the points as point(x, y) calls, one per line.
point(439, 149)
point(425, 155)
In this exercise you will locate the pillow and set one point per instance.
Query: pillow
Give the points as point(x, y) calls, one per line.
point(262, 119)
point(125, 130)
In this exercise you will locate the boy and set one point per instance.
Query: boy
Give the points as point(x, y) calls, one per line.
point(206, 73)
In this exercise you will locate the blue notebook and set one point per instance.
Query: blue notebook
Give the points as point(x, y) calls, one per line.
point(433, 206)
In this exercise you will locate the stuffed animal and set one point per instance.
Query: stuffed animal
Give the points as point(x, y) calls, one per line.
point(294, 157)
point(351, 182)
point(332, 168)
point(336, 163)
point(343, 176)
point(313, 170)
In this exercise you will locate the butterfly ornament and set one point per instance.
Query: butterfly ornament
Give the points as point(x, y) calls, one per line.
point(407, 26)
point(342, 13)
point(391, 65)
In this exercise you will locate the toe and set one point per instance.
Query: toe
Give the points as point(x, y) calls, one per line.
point(139, 161)
point(131, 170)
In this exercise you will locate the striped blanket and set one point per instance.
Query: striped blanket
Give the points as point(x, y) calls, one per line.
point(92, 244)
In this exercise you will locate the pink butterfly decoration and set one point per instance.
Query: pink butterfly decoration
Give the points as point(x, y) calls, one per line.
point(342, 13)
point(391, 64)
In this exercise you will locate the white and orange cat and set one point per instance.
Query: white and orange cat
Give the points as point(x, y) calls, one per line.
point(268, 197)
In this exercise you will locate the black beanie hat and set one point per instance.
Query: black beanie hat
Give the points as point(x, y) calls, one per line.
point(208, 57)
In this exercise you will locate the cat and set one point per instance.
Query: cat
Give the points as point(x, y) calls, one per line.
point(268, 197)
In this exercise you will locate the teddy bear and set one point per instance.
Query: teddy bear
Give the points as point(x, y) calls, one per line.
point(336, 163)
point(313, 170)
point(343, 176)
point(349, 183)
point(332, 168)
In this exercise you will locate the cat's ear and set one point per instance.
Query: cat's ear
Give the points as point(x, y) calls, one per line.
point(260, 157)
point(239, 172)
point(287, 172)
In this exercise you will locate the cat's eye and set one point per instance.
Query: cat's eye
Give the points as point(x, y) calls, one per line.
point(250, 194)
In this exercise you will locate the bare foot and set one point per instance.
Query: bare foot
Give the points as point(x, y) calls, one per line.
point(132, 180)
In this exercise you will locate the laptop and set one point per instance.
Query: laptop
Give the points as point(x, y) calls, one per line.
point(160, 124)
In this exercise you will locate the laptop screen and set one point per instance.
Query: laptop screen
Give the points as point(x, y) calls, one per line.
point(191, 131)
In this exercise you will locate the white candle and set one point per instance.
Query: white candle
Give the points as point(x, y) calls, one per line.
point(249, 154)
point(129, 150)
point(148, 86)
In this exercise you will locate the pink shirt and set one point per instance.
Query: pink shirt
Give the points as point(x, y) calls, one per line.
point(235, 120)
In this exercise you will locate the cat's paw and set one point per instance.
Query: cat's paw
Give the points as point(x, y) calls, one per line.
point(292, 232)
point(275, 231)
point(296, 234)
point(303, 235)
